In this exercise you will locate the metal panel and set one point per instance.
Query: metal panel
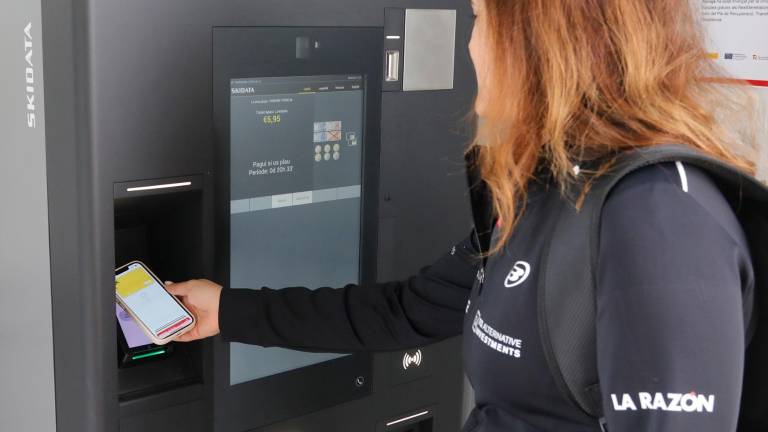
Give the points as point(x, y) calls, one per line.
point(430, 43)
point(394, 34)
point(83, 329)
point(26, 367)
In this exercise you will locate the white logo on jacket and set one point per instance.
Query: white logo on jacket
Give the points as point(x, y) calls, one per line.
point(519, 273)
point(495, 339)
point(680, 402)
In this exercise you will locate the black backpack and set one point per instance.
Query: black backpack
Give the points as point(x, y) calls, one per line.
point(566, 297)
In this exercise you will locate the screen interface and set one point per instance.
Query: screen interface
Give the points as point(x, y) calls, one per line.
point(150, 302)
point(296, 176)
point(134, 337)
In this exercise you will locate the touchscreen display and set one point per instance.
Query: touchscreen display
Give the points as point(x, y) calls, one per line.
point(134, 337)
point(296, 177)
point(150, 302)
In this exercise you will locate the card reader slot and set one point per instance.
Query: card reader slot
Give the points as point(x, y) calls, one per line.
point(163, 228)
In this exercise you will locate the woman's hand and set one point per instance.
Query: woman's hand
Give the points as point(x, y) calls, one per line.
point(201, 297)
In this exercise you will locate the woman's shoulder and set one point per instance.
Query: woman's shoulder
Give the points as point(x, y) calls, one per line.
point(676, 193)
point(669, 225)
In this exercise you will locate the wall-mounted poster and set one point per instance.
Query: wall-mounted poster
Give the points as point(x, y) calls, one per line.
point(738, 37)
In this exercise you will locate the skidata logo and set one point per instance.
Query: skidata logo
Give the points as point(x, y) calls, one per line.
point(519, 273)
point(412, 360)
point(243, 91)
point(29, 76)
point(679, 402)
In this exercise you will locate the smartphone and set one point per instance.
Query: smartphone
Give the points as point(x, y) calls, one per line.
point(158, 314)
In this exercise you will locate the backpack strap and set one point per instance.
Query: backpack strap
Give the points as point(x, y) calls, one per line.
point(567, 308)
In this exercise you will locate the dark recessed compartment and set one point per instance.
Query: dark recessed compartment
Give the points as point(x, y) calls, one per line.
point(161, 223)
point(420, 426)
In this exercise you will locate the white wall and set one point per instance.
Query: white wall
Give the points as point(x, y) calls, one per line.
point(763, 163)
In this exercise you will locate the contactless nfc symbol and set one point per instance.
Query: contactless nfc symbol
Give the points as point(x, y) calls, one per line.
point(412, 360)
point(519, 273)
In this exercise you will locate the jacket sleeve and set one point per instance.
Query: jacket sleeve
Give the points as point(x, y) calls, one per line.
point(670, 325)
point(425, 308)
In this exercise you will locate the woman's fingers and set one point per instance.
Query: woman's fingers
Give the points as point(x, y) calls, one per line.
point(192, 309)
point(186, 337)
point(179, 289)
point(189, 336)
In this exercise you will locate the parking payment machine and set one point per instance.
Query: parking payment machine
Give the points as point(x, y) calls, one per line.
point(255, 143)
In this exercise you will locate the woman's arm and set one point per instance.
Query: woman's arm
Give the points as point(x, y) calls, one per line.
point(425, 308)
point(670, 319)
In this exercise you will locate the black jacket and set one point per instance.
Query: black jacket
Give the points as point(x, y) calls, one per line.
point(670, 327)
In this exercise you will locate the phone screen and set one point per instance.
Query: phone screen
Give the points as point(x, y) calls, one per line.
point(160, 313)
point(134, 337)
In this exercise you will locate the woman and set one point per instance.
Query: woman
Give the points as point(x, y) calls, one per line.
point(562, 84)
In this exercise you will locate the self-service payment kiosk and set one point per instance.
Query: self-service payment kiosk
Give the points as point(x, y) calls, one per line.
point(255, 143)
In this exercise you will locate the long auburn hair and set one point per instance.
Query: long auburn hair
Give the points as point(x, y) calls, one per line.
point(575, 81)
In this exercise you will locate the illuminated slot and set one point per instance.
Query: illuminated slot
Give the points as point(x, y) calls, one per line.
point(411, 423)
point(160, 186)
point(149, 354)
